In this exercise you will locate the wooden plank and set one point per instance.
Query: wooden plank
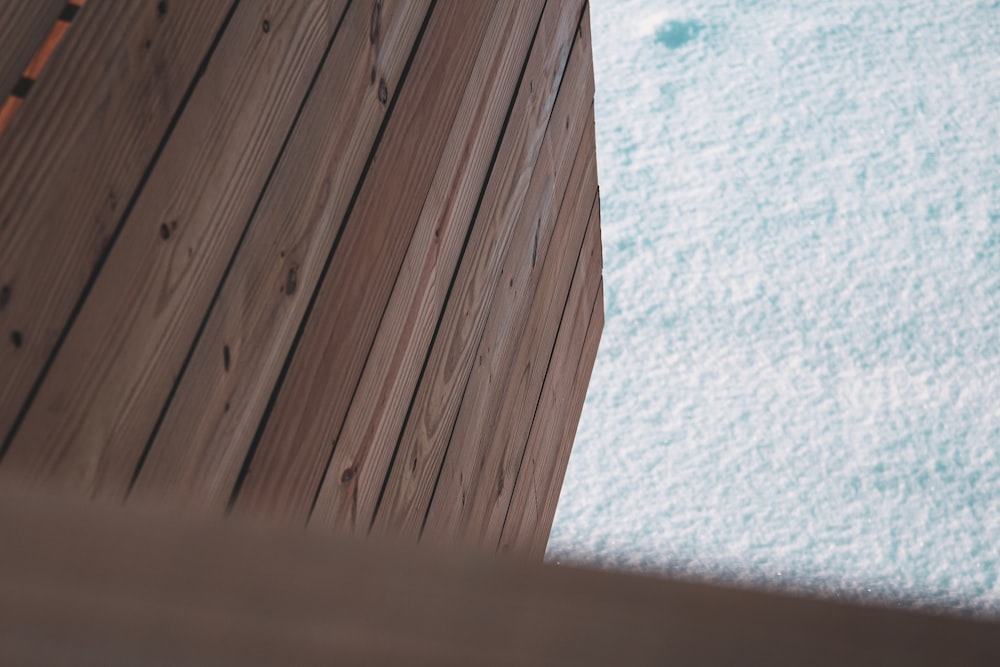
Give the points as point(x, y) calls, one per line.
point(23, 28)
point(543, 449)
point(100, 400)
point(486, 391)
point(570, 383)
point(364, 448)
point(539, 480)
point(207, 429)
point(562, 447)
point(73, 158)
point(530, 530)
point(435, 405)
point(87, 587)
point(285, 472)
point(42, 56)
point(479, 471)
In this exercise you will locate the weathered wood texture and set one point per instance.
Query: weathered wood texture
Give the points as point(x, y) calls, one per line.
point(327, 262)
point(28, 38)
point(474, 485)
point(83, 587)
point(393, 365)
point(73, 158)
point(322, 378)
point(543, 464)
point(196, 455)
point(98, 404)
point(23, 32)
point(427, 432)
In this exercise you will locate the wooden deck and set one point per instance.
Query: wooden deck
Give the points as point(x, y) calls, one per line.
point(329, 262)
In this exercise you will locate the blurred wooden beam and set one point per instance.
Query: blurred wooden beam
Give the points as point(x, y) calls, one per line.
point(88, 585)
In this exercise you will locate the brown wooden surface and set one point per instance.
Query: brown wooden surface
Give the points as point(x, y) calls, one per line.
point(102, 396)
point(543, 466)
point(7, 111)
point(474, 511)
point(469, 483)
point(562, 408)
point(286, 260)
point(294, 449)
point(504, 329)
point(364, 447)
point(72, 158)
point(87, 587)
point(23, 29)
point(505, 453)
point(209, 426)
point(42, 56)
point(426, 435)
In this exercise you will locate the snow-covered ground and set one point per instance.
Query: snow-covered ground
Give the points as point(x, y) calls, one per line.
point(799, 379)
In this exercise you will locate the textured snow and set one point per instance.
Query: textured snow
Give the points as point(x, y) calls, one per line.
point(799, 379)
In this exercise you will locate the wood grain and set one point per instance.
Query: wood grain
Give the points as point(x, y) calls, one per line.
point(536, 281)
point(23, 28)
point(367, 440)
point(100, 400)
point(209, 426)
point(294, 449)
point(569, 411)
point(567, 382)
point(42, 56)
point(264, 267)
point(88, 586)
point(479, 471)
point(435, 405)
point(73, 157)
point(546, 454)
